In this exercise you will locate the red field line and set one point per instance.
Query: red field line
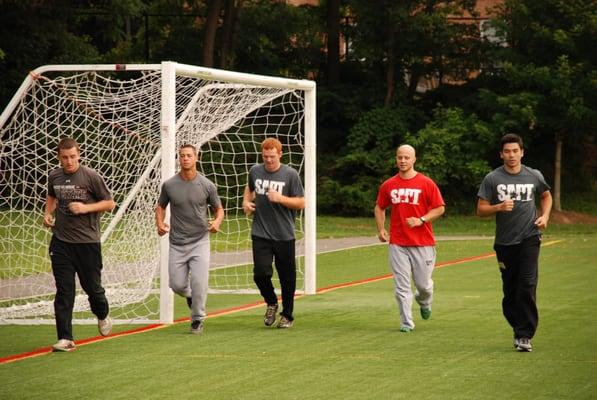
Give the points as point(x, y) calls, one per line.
point(231, 310)
point(388, 276)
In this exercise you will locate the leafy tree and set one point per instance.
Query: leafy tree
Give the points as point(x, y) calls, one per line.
point(333, 41)
point(452, 150)
point(414, 39)
point(109, 23)
point(176, 31)
point(264, 45)
point(214, 9)
point(35, 33)
point(349, 186)
point(229, 26)
point(545, 83)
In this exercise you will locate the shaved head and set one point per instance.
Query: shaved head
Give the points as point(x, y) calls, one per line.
point(405, 160)
point(406, 148)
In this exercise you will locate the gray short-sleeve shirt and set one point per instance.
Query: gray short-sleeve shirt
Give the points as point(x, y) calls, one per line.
point(271, 220)
point(515, 226)
point(85, 185)
point(188, 207)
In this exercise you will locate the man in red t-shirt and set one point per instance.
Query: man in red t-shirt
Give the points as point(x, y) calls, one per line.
point(416, 201)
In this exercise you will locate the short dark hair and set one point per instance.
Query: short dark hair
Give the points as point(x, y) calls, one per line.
point(511, 138)
point(67, 143)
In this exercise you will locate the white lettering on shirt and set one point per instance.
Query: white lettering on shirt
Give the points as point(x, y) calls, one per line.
point(405, 195)
point(263, 185)
point(518, 191)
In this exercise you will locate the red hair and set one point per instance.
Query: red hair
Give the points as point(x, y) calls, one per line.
point(271, 143)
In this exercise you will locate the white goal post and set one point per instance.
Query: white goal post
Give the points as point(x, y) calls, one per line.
point(129, 120)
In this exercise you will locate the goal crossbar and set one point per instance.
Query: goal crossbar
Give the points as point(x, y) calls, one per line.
point(225, 113)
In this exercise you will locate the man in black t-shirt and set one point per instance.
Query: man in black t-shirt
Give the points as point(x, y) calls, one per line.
point(274, 193)
point(76, 197)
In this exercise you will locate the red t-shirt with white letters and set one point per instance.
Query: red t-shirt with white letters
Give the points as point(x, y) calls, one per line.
point(412, 197)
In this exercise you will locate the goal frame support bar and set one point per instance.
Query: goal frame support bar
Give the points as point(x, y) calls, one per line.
point(169, 72)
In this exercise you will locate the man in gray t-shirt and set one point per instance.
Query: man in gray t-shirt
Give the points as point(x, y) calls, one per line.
point(76, 197)
point(273, 194)
point(189, 195)
point(510, 192)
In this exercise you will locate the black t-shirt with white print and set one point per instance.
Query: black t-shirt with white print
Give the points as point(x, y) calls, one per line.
point(86, 186)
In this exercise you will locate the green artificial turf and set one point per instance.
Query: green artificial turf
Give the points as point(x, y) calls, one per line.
point(345, 343)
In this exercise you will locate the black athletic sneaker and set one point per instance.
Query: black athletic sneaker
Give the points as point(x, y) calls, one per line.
point(270, 314)
point(196, 326)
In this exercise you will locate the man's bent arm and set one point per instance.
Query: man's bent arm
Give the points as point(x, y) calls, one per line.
point(100, 206)
point(294, 203)
point(485, 209)
point(434, 213)
point(546, 204)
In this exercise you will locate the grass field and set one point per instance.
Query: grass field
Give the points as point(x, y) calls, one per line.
point(345, 343)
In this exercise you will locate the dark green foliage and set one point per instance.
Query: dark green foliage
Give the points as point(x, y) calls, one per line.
point(35, 33)
point(277, 39)
point(546, 82)
point(452, 150)
point(540, 80)
point(369, 159)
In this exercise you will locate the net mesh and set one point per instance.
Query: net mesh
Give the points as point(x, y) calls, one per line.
point(116, 119)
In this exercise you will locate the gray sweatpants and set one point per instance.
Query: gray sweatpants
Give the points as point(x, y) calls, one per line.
point(188, 267)
point(418, 261)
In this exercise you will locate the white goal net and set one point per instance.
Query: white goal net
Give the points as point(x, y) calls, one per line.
point(121, 118)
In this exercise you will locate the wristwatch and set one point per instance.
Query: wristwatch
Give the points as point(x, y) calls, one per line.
point(423, 220)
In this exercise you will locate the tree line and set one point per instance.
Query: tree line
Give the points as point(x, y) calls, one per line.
point(431, 73)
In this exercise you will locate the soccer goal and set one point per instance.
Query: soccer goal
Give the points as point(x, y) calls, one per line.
point(129, 121)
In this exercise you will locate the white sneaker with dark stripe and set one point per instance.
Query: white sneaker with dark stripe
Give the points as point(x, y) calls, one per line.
point(64, 345)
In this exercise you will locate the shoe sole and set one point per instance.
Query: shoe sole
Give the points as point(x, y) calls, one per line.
point(197, 331)
point(523, 349)
point(62, 350)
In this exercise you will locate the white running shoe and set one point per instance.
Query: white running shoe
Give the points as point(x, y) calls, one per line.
point(524, 344)
point(64, 345)
point(104, 326)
